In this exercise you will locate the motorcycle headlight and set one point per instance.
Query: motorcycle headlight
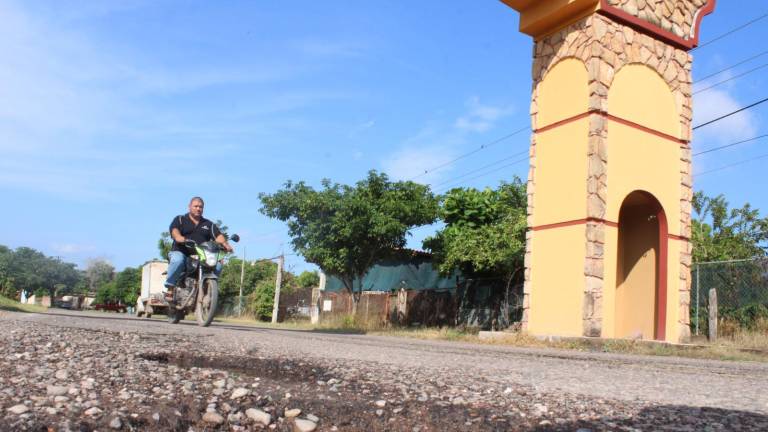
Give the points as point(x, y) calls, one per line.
point(210, 259)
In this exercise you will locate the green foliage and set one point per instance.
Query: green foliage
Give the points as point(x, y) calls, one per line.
point(346, 229)
point(26, 269)
point(720, 233)
point(123, 288)
point(164, 244)
point(747, 316)
point(106, 293)
point(308, 279)
point(484, 231)
point(253, 274)
point(98, 272)
point(262, 299)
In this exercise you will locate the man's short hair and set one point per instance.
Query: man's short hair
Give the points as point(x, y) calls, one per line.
point(197, 198)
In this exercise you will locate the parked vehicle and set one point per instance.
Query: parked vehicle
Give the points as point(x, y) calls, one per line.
point(110, 307)
point(151, 299)
point(198, 286)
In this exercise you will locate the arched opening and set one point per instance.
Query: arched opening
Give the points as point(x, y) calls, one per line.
point(641, 288)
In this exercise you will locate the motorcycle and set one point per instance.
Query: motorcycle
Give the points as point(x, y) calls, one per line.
point(198, 287)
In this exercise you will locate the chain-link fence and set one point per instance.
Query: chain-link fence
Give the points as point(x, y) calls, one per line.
point(489, 303)
point(742, 292)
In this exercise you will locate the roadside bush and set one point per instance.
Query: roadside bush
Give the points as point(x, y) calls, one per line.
point(747, 317)
point(261, 300)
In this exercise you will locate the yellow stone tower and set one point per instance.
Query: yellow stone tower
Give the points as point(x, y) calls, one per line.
point(608, 251)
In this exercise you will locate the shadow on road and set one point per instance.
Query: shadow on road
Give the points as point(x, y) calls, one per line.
point(671, 418)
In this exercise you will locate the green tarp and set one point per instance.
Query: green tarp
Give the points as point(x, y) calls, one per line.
point(416, 273)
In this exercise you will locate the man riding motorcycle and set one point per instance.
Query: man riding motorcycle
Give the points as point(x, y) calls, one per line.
point(191, 226)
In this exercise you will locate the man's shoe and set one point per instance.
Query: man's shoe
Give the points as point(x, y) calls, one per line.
point(168, 293)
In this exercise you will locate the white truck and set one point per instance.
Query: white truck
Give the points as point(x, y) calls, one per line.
point(152, 279)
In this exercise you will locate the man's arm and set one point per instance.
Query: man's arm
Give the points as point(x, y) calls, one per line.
point(220, 239)
point(177, 237)
point(175, 230)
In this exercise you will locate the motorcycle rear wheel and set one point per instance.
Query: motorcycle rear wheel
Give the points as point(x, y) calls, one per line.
point(207, 299)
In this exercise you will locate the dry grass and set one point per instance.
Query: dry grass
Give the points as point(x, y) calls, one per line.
point(14, 306)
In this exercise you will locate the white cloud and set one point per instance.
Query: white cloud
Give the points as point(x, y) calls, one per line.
point(410, 162)
point(72, 248)
point(428, 153)
point(359, 129)
point(323, 48)
point(78, 118)
point(481, 118)
point(713, 104)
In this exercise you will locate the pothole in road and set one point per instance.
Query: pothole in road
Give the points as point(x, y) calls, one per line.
point(276, 369)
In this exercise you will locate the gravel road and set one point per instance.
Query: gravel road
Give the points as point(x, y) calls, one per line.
point(99, 371)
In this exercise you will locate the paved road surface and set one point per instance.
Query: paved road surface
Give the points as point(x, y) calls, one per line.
point(507, 387)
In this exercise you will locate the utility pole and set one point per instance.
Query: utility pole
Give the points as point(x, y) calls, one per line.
point(240, 298)
point(278, 282)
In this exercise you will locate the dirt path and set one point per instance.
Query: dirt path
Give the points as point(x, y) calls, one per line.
point(147, 374)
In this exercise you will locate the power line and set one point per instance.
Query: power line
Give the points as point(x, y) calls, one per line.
point(732, 66)
point(728, 33)
point(731, 113)
point(482, 147)
point(518, 161)
point(731, 79)
point(731, 165)
point(486, 173)
point(481, 168)
point(730, 145)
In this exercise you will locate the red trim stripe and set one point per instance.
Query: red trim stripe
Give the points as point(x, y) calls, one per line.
point(644, 129)
point(566, 121)
point(574, 222)
point(612, 117)
point(595, 220)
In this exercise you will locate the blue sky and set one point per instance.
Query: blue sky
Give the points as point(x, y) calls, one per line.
point(113, 114)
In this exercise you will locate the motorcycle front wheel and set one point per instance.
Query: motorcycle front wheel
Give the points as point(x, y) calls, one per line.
point(207, 298)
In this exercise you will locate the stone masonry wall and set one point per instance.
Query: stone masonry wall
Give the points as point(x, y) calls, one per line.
point(604, 47)
point(675, 16)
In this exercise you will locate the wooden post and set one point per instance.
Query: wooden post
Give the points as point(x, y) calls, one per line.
point(240, 297)
point(278, 282)
point(712, 315)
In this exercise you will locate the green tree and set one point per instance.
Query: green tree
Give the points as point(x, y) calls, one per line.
point(262, 299)
point(25, 267)
point(308, 279)
point(346, 229)
point(253, 273)
point(62, 276)
point(106, 293)
point(484, 231)
point(28, 270)
point(97, 273)
point(128, 285)
point(719, 233)
point(7, 287)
